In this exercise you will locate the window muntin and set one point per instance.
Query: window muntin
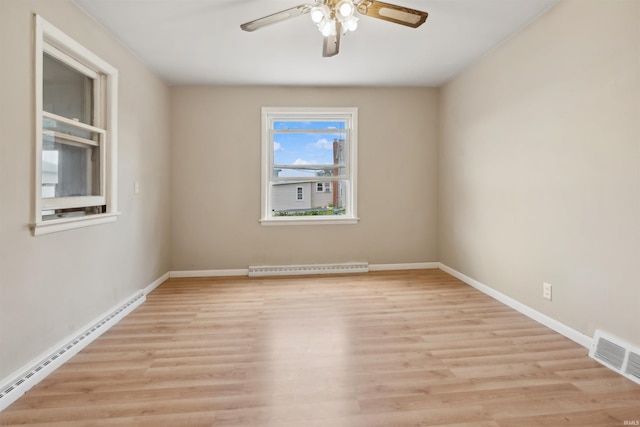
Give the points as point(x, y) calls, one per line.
point(314, 149)
point(76, 110)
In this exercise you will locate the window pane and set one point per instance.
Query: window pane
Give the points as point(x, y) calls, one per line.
point(69, 169)
point(302, 199)
point(66, 91)
point(308, 149)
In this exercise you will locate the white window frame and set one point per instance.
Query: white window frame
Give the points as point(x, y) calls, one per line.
point(50, 40)
point(299, 193)
point(272, 114)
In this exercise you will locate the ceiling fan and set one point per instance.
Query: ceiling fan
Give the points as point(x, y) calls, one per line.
point(335, 17)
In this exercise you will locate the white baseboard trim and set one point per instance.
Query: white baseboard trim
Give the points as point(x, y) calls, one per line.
point(543, 319)
point(156, 283)
point(404, 266)
point(15, 385)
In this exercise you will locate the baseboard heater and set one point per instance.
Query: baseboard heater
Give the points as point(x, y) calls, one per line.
point(10, 392)
point(616, 355)
point(291, 270)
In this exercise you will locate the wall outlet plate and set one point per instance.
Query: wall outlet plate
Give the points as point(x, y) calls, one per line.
point(546, 290)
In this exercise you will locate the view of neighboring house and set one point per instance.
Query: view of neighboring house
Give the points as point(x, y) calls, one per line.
point(301, 196)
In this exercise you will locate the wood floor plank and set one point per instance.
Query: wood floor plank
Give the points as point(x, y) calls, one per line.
point(412, 348)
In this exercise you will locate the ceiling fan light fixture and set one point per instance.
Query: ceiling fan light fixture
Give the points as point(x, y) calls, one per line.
point(327, 27)
point(350, 24)
point(344, 9)
point(320, 12)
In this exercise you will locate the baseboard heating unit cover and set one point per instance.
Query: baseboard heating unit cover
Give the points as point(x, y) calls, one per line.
point(290, 270)
point(21, 383)
point(617, 355)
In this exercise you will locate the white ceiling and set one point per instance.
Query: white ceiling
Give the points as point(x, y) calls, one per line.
point(200, 41)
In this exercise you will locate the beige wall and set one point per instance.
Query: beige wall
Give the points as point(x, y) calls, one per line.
point(540, 167)
point(52, 285)
point(216, 179)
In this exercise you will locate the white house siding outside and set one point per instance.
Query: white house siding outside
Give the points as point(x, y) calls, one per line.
point(322, 198)
point(285, 196)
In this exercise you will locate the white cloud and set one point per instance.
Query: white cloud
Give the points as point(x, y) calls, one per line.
point(324, 144)
point(304, 162)
point(277, 146)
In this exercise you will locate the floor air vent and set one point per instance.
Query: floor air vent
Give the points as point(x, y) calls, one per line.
point(633, 366)
point(617, 355)
point(290, 270)
point(610, 352)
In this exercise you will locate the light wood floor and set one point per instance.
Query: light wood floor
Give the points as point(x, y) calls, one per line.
point(385, 349)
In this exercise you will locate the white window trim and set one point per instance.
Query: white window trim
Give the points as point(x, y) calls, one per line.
point(50, 39)
point(301, 193)
point(267, 160)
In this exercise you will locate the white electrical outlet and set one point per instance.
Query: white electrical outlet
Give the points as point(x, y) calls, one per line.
point(546, 290)
point(136, 187)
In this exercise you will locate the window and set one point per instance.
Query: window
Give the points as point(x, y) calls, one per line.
point(76, 96)
point(309, 165)
point(323, 187)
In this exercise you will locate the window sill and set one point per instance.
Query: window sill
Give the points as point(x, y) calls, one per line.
point(56, 225)
point(308, 221)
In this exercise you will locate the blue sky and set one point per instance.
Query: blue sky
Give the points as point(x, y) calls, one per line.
point(305, 148)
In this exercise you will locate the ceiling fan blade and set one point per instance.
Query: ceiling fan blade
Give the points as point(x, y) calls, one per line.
point(276, 17)
point(331, 44)
point(392, 13)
